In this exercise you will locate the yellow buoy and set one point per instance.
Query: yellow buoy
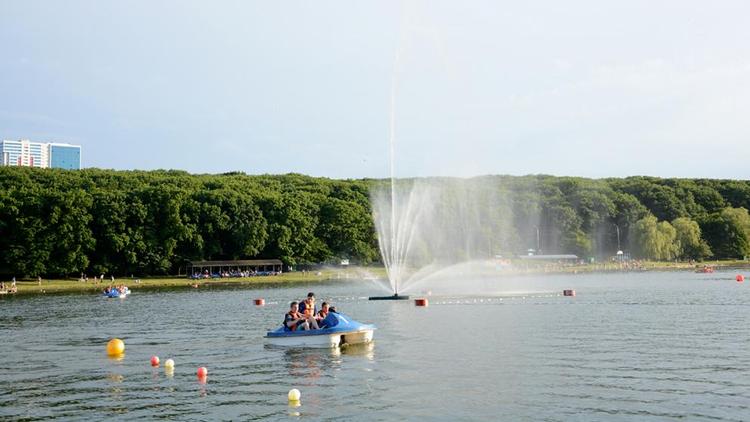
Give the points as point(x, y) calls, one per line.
point(293, 395)
point(169, 363)
point(115, 347)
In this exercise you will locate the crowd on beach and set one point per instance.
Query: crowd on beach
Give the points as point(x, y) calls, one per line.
point(9, 288)
point(304, 315)
point(233, 274)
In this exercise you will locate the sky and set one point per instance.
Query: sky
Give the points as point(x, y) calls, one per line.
point(575, 88)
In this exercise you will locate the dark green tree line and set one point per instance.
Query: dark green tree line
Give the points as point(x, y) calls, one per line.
point(55, 222)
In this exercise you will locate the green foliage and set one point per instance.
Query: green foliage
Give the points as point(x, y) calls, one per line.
point(728, 232)
point(55, 222)
point(655, 240)
point(689, 241)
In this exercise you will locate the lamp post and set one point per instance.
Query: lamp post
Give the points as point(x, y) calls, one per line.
point(618, 236)
point(619, 251)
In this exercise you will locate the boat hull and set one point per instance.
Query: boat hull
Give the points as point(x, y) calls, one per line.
point(323, 341)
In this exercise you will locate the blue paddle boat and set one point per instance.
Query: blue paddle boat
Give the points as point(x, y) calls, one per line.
point(338, 330)
point(114, 293)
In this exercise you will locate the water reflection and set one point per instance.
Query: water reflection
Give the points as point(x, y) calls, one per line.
point(308, 364)
point(366, 350)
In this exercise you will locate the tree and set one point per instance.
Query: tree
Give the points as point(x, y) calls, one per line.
point(728, 232)
point(655, 240)
point(347, 229)
point(690, 243)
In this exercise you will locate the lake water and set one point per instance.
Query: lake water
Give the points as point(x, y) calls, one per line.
point(635, 346)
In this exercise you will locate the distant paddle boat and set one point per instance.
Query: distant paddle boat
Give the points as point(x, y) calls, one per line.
point(114, 293)
point(705, 270)
point(339, 330)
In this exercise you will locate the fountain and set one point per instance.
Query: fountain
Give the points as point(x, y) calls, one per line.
point(437, 227)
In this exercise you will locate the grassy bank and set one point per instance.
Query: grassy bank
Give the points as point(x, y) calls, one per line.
point(76, 286)
point(73, 286)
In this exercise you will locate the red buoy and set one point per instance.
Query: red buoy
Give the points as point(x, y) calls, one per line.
point(740, 278)
point(154, 360)
point(260, 302)
point(569, 292)
point(202, 372)
point(421, 302)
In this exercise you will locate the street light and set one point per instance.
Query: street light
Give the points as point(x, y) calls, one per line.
point(619, 251)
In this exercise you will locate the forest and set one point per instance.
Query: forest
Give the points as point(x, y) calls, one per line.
point(62, 223)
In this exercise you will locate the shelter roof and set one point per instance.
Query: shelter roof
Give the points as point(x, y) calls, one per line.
point(240, 262)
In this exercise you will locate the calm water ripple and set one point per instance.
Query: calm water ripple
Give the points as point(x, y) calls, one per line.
point(647, 346)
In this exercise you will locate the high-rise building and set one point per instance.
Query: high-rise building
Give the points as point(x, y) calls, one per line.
point(65, 156)
point(40, 154)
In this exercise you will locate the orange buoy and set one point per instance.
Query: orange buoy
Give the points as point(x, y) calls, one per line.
point(421, 302)
point(740, 278)
point(260, 302)
point(569, 292)
point(202, 372)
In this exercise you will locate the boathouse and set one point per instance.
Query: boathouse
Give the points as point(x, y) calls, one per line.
point(256, 266)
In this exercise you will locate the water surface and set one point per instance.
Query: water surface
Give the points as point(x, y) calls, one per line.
point(636, 346)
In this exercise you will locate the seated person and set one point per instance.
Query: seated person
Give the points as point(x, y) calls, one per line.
point(308, 303)
point(294, 319)
point(322, 314)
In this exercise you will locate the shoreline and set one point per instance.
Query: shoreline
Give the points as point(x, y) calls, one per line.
point(58, 286)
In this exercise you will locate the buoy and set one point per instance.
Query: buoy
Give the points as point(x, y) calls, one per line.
point(202, 372)
point(260, 302)
point(420, 302)
point(569, 292)
point(154, 360)
point(115, 347)
point(293, 395)
point(740, 278)
point(169, 364)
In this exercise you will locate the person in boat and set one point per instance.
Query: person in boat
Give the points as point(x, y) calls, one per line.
point(322, 314)
point(307, 306)
point(294, 320)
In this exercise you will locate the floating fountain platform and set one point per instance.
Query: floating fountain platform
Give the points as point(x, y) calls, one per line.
point(392, 297)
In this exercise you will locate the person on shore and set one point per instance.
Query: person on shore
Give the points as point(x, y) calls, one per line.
point(294, 320)
point(307, 306)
